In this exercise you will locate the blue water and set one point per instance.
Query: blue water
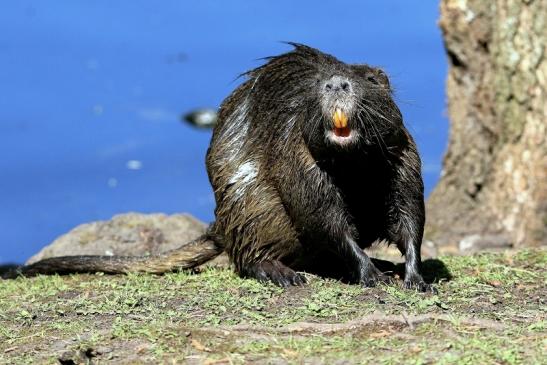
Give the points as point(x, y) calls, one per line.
point(91, 93)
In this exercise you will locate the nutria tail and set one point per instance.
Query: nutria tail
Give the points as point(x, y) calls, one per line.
point(190, 255)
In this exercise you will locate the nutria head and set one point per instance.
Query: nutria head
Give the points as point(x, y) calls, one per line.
point(334, 105)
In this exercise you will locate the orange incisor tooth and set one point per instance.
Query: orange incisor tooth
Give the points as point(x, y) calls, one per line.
point(340, 118)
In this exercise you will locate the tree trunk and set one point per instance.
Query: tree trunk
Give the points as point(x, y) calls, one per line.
point(493, 189)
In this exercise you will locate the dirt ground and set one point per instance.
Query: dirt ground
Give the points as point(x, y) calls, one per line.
point(490, 310)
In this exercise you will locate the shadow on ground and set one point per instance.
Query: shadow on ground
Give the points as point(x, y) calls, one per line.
point(433, 270)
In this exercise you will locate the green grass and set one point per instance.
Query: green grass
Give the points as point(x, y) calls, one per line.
point(490, 309)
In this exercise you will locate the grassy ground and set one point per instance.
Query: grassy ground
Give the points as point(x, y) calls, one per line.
point(490, 309)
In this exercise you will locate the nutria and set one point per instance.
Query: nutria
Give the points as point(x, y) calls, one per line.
point(310, 163)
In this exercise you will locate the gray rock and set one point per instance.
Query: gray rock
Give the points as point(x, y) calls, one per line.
point(131, 234)
point(488, 242)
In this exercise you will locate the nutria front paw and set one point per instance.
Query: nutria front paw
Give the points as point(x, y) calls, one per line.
point(373, 277)
point(276, 272)
point(417, 283)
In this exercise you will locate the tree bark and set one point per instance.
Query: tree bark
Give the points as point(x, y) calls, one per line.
point(493, 187)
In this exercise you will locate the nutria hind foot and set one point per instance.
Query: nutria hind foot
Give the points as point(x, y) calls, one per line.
point(275, 272)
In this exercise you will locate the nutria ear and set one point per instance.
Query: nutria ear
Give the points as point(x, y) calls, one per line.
point(382, 78)
point(373, 75)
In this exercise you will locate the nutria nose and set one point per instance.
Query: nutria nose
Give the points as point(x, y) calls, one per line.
point(337, 83)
